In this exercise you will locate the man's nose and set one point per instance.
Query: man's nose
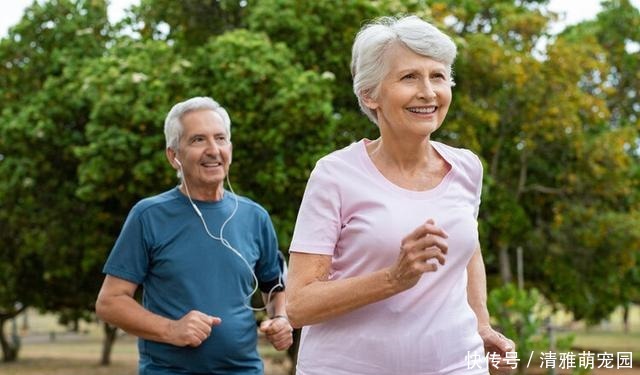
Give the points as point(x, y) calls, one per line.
point(212, 147)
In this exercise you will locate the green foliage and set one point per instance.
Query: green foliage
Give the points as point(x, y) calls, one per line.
point(50, 37)
point(123, 158)
point(597, 242)
point(320, 34)
point(518, 314)
point(523, 316)
point(549, 138)
point(280, 113)
point(50, 266)
point(189, 22)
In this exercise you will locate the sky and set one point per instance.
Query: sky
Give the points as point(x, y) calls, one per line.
point(574, 11)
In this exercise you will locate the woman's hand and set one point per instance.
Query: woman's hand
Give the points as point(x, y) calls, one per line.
point(496, 345)
point(420, 252)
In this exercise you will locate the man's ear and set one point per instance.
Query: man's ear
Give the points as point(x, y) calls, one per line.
point(172, 156)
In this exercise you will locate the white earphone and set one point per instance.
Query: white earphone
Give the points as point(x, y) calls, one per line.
point(226, 243)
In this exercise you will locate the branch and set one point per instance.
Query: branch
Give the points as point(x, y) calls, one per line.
point(8, 314)
point(544, 189)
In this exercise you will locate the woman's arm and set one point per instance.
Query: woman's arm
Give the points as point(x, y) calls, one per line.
point(313, 298)
point(494, 341)
point(477, 288)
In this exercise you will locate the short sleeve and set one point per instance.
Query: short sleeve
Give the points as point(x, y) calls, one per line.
point(268, 267)
point(478, 173)
point(319, 221)
point(129, 258)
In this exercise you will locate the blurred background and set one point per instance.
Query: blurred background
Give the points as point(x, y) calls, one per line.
point(547, 94)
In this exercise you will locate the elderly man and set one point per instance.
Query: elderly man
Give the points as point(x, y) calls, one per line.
point(200, 252)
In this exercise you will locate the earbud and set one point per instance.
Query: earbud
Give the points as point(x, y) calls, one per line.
point(177, 162)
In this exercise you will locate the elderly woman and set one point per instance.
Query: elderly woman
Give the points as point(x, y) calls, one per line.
point(386, 273)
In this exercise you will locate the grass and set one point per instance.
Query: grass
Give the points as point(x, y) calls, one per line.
point(611, 342)
point(609, 336)
point(77, 356)
point(80, 356)
point(79, 353)
point(49, 348)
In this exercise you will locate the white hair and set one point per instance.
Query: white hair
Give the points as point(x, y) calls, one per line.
point(173, 124)
point(373, 41)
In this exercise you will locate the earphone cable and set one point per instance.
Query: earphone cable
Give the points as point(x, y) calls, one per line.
point(228, 245)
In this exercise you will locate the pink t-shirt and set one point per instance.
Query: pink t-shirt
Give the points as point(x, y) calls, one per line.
point(353, 213)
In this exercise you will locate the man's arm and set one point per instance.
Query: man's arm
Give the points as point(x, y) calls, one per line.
point(277, 328)
point(116, 305)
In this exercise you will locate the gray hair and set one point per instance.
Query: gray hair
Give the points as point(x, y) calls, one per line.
point(374, 39)
point(173, 125)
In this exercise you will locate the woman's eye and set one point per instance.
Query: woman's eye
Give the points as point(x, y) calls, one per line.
point(409, 76)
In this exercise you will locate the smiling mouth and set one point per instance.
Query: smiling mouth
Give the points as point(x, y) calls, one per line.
point(423, 110)
point(212, 164)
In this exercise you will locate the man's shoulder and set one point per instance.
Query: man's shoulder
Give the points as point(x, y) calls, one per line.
point(153, 201)
point(252, 206)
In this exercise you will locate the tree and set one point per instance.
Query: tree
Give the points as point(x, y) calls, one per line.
point(607, 173)
point(280, 116)
point(38, 167)
point(191, 22)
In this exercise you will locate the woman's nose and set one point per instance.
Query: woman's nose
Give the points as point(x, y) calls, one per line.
point(426, 90)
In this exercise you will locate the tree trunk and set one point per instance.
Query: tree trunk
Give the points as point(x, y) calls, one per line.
point(10, 348)
point(75, 325)
point(25, 321)
point(505, 265)
point(292, 352)
point(110, 334)
point(625, 317)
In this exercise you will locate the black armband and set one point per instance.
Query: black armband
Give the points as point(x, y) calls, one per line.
point(273, 286)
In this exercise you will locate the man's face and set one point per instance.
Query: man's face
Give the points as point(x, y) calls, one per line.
point(204, 152)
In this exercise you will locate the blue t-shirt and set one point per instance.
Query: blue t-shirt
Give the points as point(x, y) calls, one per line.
point(164, 247)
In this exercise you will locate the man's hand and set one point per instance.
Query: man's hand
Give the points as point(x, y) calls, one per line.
point(278, 331)
point(192, 329)
point(496, 346)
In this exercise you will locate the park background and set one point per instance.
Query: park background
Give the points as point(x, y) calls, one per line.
point(554, 117)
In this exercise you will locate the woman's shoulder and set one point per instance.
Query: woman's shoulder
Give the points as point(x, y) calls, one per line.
point(465, 162)
point(461, 156)
point(347, 154)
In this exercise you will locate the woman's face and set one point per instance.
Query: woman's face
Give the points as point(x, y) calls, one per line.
point(414, 97)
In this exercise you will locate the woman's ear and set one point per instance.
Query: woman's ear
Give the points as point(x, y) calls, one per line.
point(369, 101)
